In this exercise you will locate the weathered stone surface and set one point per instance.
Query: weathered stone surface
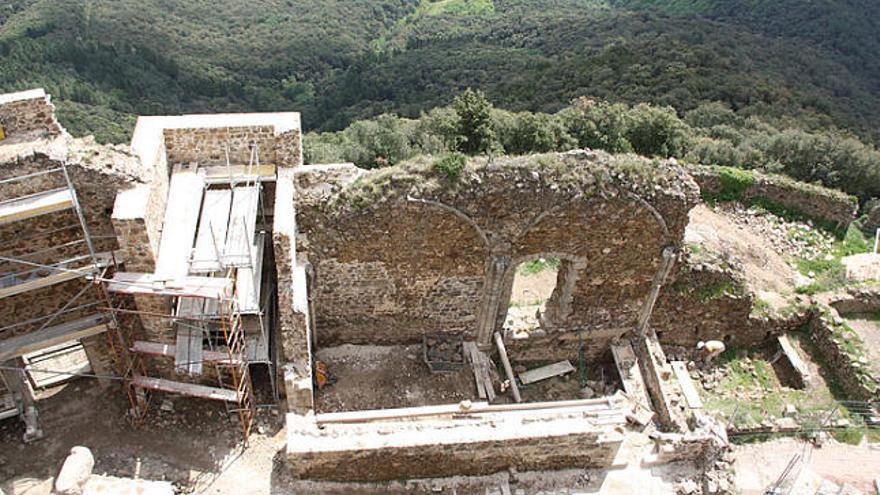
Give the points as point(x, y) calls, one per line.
point(814, 201)
point(28, 113)
point(75, 472)
point(208, 146)
point(406, 251)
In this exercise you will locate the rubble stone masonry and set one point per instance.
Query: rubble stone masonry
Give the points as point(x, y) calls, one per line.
point(405, 251)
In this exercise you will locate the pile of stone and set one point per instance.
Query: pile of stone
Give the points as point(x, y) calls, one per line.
point(799, 239)
point(444, 352)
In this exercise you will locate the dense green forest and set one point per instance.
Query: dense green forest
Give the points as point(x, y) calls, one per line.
point(788, 85)
point(337, 61)
point(712, 133)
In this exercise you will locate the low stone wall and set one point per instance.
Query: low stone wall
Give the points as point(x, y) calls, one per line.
point(450, 446)
point(816, 202)
point(28, 112)
point(856, 300)
point(840, 350)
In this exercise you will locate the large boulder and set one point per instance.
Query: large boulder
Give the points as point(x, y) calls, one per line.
point(75, 472)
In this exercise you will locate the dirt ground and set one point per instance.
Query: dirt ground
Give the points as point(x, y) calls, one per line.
point(196, 447)
point(527, 289)
point(766, 270)
point(760, 464)
point(382, 377)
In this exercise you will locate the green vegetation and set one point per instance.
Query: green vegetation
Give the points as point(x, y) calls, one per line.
point(451, 165)
point(827, 269)
point(709, 292)
point(473, 126)
point(538, 265)
point(811, 65)
point(750, 391)
point(734, 183)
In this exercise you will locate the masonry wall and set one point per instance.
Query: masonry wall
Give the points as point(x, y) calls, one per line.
point(816, 202)
point(403, 253)
point(454, 447)
point(30, 115)
point(208, 146)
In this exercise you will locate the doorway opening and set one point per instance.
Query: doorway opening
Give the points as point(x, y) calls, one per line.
point(534, 283)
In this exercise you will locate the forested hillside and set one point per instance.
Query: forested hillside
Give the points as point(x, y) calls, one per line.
point(805, 63)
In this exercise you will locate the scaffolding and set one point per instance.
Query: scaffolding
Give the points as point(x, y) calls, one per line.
point(41, 268)
point(214, 291)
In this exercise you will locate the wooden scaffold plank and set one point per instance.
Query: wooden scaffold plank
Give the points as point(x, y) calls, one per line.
point(179, 229)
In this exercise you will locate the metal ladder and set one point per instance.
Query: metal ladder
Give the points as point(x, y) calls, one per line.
point(237, 363)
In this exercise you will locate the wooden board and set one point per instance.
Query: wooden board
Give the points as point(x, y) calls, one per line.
point(545, 372)
point(188, 351)
point(189, 389)
point(146, 284)
point(793, 357)
point(222, 174)
point(179, 228)
point(249, 280)
point(211, 235)
point(67, 270)
point(28, 343)
point(168, 350)
point(36, 205)
point(687, 385)
point(630, 374)
point(238, 249)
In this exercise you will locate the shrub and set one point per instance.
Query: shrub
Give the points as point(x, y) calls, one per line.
point(451, 165)
point(734, 183)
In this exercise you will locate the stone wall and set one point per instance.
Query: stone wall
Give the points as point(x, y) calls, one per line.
point(816, 202)
point(208, 145)
point(841, 352)
point(405, 251)
point(28, 113)
point(447, 447)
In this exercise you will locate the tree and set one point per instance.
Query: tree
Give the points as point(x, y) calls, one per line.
point(657, 131)
point(475, 122)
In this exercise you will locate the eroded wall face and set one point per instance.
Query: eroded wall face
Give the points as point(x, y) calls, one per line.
point(389, 272)
point(208, 146)
point(31, 116)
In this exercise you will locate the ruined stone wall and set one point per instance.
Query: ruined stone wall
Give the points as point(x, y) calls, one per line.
point(406, 251)
point(31, 115)
point(813, 201)
point(841, 352)
point(453, 447)
point(207, 146)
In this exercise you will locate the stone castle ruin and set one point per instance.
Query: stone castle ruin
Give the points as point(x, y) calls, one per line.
point(206, 260)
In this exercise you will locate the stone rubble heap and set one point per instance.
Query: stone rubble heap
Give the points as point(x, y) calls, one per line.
point(794, 238)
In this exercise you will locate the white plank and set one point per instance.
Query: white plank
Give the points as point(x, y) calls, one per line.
point(179, 229)
point(470, 350)
point(687, 385)
point(545, 372)
point(146, 284)
point(167, 350)
point(630, 374)
point(238, 249)
point(36, 205)
point(248, 285)
point(181, 350)
point(222, 174)
point(793, 357)
point(43, 339)
point(189, 389)
point(211, 235)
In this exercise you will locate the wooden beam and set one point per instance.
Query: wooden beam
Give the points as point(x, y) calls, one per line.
point(168, 350)
point(545, 372)
point(599, 404)
point(514, 390)
point(189, 389)
point(687, 385)
point(59, 276)
point(222, 174)
point(36, 205)
point(211, 235)
point(146, 284)
point(20, 345)
point(179, 228)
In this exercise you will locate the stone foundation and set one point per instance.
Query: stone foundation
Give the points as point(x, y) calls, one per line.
point(487, 443)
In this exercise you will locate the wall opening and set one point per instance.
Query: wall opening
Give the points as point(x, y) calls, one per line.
point(534, 283)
